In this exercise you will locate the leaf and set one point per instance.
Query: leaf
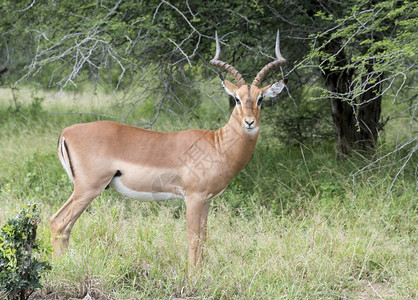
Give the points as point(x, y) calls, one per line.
point(20, 271)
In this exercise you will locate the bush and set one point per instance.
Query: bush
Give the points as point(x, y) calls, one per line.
point(20, 271)
point(301, 122)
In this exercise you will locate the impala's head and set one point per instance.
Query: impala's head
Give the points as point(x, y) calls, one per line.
point(248, 98)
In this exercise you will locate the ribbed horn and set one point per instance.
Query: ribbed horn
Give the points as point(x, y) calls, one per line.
point(270, 66)
point(225, 66)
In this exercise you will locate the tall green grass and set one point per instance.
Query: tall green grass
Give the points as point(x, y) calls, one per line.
point(292, 225)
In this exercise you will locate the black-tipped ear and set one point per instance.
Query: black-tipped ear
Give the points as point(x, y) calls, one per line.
point(285, 81)
point(221, 77)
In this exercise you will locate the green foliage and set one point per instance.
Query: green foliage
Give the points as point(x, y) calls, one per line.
point(20, 270)
point(378, 34)
point(114, 42)
point(300, 122)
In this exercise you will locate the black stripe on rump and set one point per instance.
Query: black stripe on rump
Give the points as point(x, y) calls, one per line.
point(69, 158)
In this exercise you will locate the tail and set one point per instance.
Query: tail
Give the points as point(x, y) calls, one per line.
point(65, 159)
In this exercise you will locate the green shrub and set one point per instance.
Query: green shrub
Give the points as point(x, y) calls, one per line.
point(301, 122)
point(20, 271)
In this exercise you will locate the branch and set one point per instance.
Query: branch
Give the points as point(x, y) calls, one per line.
point(375, 162)
point(27, 8)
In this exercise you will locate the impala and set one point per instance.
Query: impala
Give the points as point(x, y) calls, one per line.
point(194, 165)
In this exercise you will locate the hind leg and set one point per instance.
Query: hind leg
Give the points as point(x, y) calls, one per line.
point(63, 220)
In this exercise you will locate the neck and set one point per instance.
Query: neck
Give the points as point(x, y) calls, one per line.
point(235, 143)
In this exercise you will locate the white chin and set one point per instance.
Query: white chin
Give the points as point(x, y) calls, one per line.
point(252, 130)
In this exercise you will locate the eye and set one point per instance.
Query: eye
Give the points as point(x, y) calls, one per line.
point(259, 100)
point(237, 100)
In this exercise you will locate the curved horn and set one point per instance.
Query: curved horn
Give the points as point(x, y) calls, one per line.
point(223, 65)
point(270, 66)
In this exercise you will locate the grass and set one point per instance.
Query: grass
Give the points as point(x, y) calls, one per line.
point(290, 226)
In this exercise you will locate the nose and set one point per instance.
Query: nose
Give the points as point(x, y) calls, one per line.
point(249, 122)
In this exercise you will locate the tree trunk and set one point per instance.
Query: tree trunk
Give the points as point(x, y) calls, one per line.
point(338, 83)
point(344, 126)
point(369, 113)
point(356, 124)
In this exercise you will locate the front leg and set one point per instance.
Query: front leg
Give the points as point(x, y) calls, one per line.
point(203, 230)
point(195, 205)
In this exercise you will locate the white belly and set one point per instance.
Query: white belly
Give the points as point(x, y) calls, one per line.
point(117, 184)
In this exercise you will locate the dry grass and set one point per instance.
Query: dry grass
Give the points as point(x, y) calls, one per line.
point(287, 228)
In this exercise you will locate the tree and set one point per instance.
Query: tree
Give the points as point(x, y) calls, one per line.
point(108, 40)
point(355, 52)
point(362, 55)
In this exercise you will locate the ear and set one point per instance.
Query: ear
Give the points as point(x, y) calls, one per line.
point(229, 87)
point(274, 89)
